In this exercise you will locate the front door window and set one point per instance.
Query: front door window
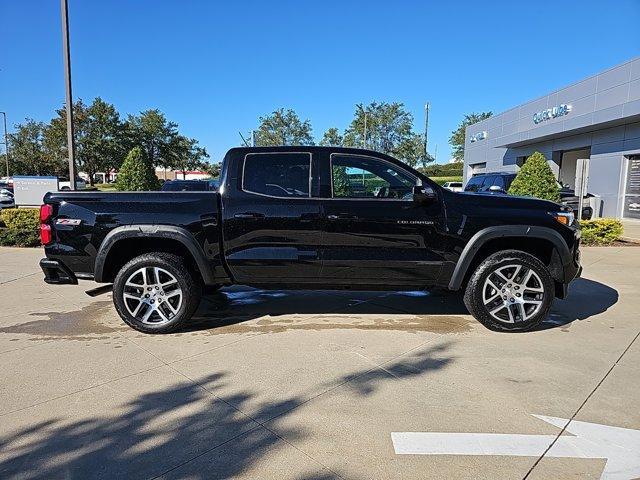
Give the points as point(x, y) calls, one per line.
point(355, 176)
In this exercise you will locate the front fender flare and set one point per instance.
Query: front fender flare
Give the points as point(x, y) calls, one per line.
point(150, 231)
point(490, 233)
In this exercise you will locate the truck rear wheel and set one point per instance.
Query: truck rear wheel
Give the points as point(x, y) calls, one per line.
point(510, 290)
point(155, 293)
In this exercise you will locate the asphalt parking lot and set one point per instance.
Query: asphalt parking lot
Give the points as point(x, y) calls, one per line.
point(318, 385)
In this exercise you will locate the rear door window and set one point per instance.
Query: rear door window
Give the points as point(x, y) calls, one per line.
point(277, 174)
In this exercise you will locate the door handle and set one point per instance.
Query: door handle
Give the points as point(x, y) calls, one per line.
point(249, 215)
point(342, 216)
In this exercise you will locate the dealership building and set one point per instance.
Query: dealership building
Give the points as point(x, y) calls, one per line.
point(597, 118)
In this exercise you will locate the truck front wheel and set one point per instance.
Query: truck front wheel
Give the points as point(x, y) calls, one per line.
point(510, 290)
point(155, 293)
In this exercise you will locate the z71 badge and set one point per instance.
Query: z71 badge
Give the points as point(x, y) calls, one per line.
point(68, 221)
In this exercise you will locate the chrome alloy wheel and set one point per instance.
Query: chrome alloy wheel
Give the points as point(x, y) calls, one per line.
point(152, 295)
point(513, 293)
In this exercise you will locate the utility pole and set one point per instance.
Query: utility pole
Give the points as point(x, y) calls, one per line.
point(364, 137)
point(6, 142)
point(69, 106)
point(426, 129)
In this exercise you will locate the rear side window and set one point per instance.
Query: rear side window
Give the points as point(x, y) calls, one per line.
point(277, 174)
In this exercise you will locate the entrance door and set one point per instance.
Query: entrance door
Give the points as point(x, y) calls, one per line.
point(632, 189)
point(375, 234)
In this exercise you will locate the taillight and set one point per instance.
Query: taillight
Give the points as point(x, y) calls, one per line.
point(46, 235)
point(45, 212)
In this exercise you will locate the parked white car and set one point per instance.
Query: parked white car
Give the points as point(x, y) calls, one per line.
point(64, 184)
point(453, 186)
point(6, 199)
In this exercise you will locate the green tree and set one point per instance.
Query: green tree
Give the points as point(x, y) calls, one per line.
point(457, 136)
point(152, 132)
point(536, 179)
point(104, 144)
point(185, 154)
point(332, 138)
point(389, 129)
point(212, 169)
point(99, 137)
point(283, 127)
point(29, 155)
point(136, 173)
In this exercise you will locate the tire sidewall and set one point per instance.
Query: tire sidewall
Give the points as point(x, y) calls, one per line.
point(168, 263)
point(474, 294)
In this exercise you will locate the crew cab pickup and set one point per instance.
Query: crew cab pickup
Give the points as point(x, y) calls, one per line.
point(312, 218)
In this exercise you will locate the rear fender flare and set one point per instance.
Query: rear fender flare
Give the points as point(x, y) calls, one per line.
point(153, 231)
point(483, 236)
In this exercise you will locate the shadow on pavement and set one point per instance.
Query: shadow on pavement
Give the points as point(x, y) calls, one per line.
point(190, 430)
point(438, 311)
point(586, 298)
point(228, 310)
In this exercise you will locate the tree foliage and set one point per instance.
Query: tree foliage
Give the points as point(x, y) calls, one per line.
point(457, 136)
point(102, 141)
point(29, 156)
point(332, 138)
point(99, 133)
point(137, 173)
point(536, 179)
point(283, 127)
point(389, 129)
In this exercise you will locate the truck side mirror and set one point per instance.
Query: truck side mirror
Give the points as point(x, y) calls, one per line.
point(496, 188)
point(423, 194)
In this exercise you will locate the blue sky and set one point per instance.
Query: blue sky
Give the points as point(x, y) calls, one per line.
point(215, 66)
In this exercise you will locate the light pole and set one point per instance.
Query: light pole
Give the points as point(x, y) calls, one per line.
point(69, 106)
point(6, 142)
point(426, 128)
point(364, 136)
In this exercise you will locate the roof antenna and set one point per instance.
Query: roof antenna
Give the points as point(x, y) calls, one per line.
point(246, 144)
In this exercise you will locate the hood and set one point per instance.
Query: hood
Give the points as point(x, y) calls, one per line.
point(489, 200)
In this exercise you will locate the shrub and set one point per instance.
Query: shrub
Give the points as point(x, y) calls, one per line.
point(137, 174)
point(21, 218)
point(443, 170)
point(601, 231)
point(19, 238)
point(443, 180)
point(536, 179)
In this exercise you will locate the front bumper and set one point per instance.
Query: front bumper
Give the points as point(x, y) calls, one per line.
point(57, 273)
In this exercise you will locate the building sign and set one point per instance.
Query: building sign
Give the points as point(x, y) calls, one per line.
point(28, 191)
point(632, 193)
point(553, 112)
point(476, 137)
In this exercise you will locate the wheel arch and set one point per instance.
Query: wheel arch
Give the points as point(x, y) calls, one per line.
point(124, 243)
point(542, 242)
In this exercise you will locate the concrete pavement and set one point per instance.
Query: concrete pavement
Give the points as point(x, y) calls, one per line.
point(280, 384)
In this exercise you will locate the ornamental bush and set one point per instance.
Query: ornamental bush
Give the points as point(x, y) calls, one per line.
point(601, 231)
point(136, 173)
point(21, 218)
point(535, 179)
point(19, 238)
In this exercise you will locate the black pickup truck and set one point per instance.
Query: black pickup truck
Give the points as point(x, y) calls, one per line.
point(312, 218)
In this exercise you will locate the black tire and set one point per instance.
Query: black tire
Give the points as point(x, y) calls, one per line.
point(191, 291)
point(491, 266)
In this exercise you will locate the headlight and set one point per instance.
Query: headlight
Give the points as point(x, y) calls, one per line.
point(565, 218)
